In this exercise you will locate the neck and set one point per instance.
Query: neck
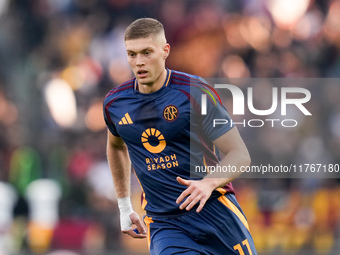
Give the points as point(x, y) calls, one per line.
point(147, 88)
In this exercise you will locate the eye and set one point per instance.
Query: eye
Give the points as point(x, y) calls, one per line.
point(147, 53)
point(131, 54)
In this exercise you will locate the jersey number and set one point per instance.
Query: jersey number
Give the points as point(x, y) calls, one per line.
point(238, 247)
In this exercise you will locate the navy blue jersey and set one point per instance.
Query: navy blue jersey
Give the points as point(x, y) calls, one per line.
point(166, 134)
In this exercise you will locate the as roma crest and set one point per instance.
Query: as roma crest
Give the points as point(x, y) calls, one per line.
point(170, 113)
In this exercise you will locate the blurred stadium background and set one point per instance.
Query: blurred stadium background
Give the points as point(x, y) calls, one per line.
point(58, 59)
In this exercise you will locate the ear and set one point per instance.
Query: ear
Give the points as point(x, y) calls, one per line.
point(166, 50)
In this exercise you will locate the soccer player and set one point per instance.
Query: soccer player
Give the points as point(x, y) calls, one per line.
point(154, 122)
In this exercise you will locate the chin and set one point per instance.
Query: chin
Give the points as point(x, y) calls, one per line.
point(144, 82)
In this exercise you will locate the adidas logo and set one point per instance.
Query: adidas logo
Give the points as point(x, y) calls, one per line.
point(126, 120)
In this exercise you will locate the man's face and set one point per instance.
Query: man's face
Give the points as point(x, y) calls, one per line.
point(146, 57)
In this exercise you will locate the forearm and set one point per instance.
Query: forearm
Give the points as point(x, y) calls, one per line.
point(234, 160)
point(236, 157)
point(120, 165)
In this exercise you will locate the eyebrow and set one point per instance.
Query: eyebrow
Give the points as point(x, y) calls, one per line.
point(143, 50)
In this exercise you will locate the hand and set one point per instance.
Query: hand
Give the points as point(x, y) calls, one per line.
point(126, 222)
point(197, 191)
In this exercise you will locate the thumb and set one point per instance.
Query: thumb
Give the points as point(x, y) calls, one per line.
point(140, 227)
point(183, 181)
point(136, 220)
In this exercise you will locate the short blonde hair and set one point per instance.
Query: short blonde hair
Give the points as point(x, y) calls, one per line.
point(142, 28)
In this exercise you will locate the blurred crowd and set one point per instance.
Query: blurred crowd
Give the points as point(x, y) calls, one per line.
point(58, 59)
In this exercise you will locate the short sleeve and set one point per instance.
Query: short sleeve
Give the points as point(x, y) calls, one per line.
point(217, 121)
point(109, 123)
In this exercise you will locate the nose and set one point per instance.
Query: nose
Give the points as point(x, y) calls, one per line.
point(139, 60)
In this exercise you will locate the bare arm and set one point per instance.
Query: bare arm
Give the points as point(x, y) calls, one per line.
point(236, 154)
point(120, 165)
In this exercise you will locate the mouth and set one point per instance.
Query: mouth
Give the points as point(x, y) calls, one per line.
point(142, 73)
